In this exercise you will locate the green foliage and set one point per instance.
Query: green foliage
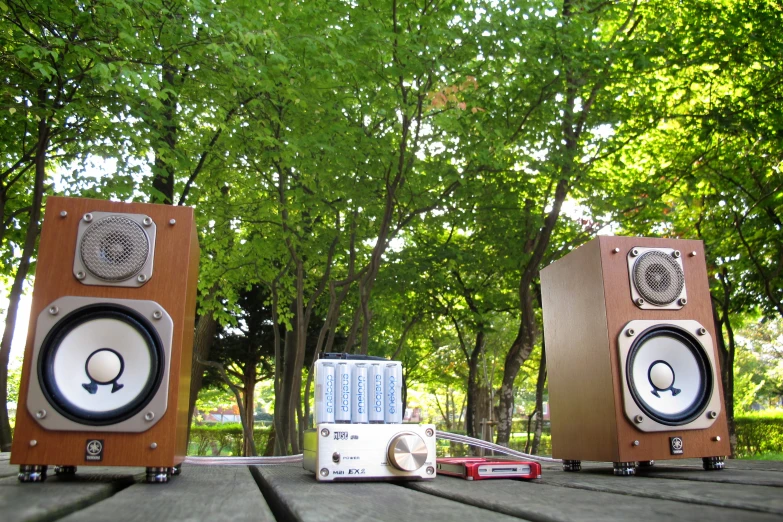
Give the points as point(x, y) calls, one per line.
point(223, 439)
point(759, 433)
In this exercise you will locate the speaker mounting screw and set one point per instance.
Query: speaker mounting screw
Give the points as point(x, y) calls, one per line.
point(638, 419)
point(630, 332)
point(716, 438)
point(324, 472)
point(149, 416)
point(676, 254)
point(33, 443)
point(87, 217)
point(324, 432)
point(429, 432)
point(172, 222)
point(147, 221)
point(702, 331)
point(40, 414)
point(682, 301)
point(712, 414)
point(154, 445)
point(63, 214)
point(693, 254)
point(80, 275)
point(53, 310)
point(141, 278)
point(615, 250)
point(640, 301)
point(634, 252)
point(157, 314)
point(636, 443)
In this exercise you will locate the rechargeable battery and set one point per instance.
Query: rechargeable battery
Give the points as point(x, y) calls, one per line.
point(393, 390)
point(359, 414)
point(343, 412)
point(376, 394)
point(324, 393)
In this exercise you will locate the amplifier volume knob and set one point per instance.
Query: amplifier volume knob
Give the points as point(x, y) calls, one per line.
point(407, 451)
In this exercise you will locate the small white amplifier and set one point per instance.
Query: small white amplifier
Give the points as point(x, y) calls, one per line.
point(353, 452)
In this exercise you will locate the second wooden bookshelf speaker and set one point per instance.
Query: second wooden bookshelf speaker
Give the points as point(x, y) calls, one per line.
point(634, 372)
point(106, 372)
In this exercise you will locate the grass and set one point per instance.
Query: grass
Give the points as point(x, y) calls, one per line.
point(763, 456)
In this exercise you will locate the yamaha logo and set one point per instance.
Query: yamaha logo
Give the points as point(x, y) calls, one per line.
point(675, 444)
point(93, 451)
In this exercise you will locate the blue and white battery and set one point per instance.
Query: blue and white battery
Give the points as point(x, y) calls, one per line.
point(376, 415)
point(359, 414)
point(392, 377)
point(343, 413)
point(358, 391)
point(325, 393)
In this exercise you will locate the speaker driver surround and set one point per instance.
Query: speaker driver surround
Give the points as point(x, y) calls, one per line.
point(101, 364)
point(668, 375)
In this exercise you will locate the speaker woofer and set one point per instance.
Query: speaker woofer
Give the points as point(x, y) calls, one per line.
point(669, 375)
point(101, 364)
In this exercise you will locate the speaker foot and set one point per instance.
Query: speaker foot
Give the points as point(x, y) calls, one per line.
point(624, 469)
point(158, 475)
point(65, 471)
point(646, 463)
point(32, 473)
point(176, 470)
point(711, 463)
point(572, 465)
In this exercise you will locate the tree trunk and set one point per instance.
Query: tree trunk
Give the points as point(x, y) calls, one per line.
point(249, 386)
point(726, 366)
point(472, 426)
point(202, 343)
point(21, 274)
point(163, 170)
point(540, 384)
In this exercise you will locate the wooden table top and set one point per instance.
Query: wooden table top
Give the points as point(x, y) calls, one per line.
point(670, 491)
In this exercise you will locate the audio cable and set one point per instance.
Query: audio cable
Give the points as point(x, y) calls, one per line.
point(292, 459)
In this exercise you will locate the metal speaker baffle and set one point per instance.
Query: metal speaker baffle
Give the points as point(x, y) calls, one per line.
point(114, 249)
point(657, 278)
point(101, 364)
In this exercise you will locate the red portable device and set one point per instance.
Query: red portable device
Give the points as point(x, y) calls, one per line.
point(481, 468)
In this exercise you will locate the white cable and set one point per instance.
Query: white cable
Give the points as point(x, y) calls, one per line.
point(243, 461)
point(464, 439)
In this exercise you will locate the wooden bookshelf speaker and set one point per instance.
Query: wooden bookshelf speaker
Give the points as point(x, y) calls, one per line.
point(634, 373)
point(106, 371)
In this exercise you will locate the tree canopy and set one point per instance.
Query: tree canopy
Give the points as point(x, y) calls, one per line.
point(389, 178)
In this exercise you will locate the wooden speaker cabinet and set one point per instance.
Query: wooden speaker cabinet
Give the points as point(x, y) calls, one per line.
point(634, 372)
point(106, 374)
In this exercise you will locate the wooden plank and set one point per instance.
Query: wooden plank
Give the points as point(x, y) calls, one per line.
point(7, 470)
point(727, 476)
point(536, 501)
point(294, 494)
point(695, 464)
point(214, 493)
point(56, 497)
point(753, 498)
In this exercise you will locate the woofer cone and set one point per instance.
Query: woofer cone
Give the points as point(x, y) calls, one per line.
point(149, 348)
point(658, 351)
